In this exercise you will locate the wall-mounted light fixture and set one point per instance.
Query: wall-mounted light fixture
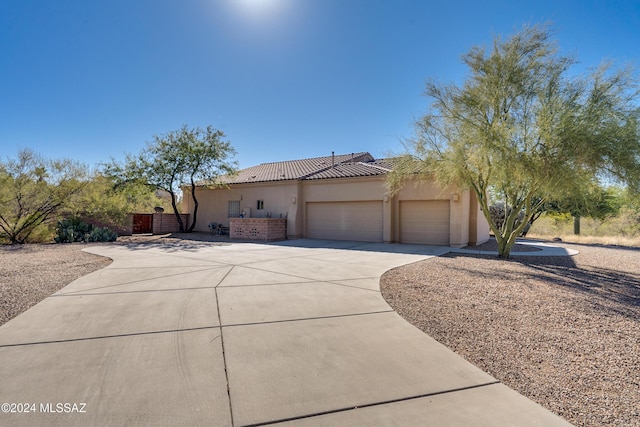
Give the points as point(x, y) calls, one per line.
point(454, 197)
point(293, 199)
point(386, 198)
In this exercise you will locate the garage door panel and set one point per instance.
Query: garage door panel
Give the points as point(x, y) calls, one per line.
point(358, 221)
point(425, 222)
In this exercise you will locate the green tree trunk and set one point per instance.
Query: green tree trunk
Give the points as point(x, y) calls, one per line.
point(505, 245)
point(576, 224)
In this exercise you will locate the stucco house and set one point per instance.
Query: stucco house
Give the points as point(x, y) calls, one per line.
point(344, 197)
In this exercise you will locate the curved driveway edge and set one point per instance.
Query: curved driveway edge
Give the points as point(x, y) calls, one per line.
point(290, 333)
point(538, 249)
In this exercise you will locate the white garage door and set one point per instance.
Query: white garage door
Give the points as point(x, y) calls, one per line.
point(359, 221)
point(424, 222)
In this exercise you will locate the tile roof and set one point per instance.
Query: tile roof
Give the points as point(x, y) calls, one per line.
point(348, 170)
point(338, 166)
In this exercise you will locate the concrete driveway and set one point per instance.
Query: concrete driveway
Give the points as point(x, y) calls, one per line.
point(292, 333)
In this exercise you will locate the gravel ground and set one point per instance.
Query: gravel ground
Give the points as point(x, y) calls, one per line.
point(563, 331)
point(30, 273)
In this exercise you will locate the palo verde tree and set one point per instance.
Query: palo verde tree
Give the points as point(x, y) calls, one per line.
point(182, 157)
point(525, 129)
point(35, 191)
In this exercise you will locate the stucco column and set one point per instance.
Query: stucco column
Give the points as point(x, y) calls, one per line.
point(295, 220)
point(459, 225)
point(387, 218)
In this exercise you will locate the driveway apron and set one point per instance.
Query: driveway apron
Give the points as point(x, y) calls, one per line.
point(242, 334)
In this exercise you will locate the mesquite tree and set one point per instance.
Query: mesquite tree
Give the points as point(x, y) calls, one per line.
point(182, 157)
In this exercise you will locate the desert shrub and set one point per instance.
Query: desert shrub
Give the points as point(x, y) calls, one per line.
point(102, 235)
point(65, 235)
point(72, 230)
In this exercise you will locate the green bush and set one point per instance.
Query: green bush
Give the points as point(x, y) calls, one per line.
point(102, 235)
point(64, 235)
point(71, 230)
point(74, 230)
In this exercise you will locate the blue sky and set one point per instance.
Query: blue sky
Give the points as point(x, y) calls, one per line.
point(284, 79)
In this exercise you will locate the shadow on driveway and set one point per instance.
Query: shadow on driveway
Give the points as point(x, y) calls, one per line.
point(195, 241)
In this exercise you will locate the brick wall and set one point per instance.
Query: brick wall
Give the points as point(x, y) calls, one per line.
point(258, 228)
point(164, 223)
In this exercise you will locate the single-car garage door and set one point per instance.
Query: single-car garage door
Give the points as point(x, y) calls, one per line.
point(424, 222)
point(359, 221)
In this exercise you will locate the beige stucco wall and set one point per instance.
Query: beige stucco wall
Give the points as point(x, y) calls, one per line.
point(280, 199)
point(460, 210)
point(351, 190)
point(479, 231)
point(459, 207)
point(289, 199)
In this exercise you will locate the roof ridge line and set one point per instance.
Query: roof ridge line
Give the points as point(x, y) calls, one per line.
point(333, 166)
point(376, 166)
point(326, 168)
point(314, 158)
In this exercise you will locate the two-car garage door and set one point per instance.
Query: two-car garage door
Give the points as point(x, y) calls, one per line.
point(424, 222)
point(358, 221)
point(421, 221)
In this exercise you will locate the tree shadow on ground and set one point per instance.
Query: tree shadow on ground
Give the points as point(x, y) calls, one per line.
point(174, 242)
point(623, 288)
point(613, 290)
point(198, 240)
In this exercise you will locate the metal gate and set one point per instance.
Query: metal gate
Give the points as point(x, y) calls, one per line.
point(142, 223)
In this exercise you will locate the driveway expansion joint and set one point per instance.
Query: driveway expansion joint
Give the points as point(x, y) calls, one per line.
point(133, 334)
point(369, 405)
point(304, 319)
point(144, 280)
point(142, 291)
point(219, 283)
point(353, 287)
point(224, 357)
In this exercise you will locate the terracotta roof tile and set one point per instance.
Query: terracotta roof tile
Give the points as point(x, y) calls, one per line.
point(348, 170)
point(338, 166)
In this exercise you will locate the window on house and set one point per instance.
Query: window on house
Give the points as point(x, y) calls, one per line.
point(234, 208)
point(260, 205)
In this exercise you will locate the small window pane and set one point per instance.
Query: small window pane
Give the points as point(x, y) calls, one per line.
point(234, 208)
